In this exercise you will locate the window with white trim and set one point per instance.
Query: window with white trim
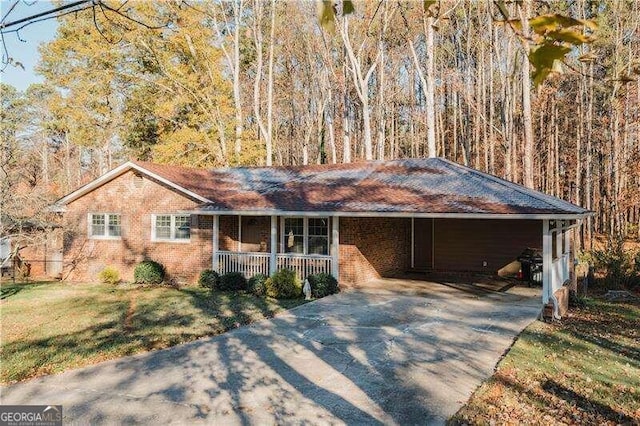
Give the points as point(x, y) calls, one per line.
point(105, 225)
point(318, 235)
point(171, 227)
point(306, 235)
point(294, 235)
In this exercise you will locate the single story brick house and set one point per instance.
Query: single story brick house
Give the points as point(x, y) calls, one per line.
point(357, 221)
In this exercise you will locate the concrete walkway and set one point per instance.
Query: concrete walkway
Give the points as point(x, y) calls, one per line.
point(397, 352)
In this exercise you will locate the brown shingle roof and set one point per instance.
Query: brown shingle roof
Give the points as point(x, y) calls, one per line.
point(433, 185)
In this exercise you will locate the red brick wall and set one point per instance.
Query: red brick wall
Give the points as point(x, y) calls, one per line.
point(373, 247)
point(463, 244)
point(41, 250)
point(228, 233)
point(135, 199)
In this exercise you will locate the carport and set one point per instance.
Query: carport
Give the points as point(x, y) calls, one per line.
point(492, 246)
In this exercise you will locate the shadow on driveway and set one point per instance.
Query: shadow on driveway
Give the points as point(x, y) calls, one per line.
point(398, 352)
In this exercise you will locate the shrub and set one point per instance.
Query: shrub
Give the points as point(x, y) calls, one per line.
point(323, 285)
point(256, 284)
point(148, 272)
point(615, 265)
point(209, 278)
point(109, 275)
point(284, 284)
point(232, 281)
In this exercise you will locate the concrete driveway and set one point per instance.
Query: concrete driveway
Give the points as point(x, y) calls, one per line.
point(397, 352)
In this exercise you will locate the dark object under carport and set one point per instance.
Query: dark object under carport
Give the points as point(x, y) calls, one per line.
point(531, 265)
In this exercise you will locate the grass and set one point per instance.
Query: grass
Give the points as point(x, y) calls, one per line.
point(584, 370)
point(49, 327)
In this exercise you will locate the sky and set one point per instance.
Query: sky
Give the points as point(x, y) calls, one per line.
point(33, 35)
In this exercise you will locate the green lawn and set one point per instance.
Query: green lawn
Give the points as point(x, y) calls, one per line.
point(585, 370)
point(49, 327)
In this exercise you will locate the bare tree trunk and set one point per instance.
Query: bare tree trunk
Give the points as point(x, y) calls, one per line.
point(332, 140)
point(265, 129)
point(429, 87)
point(525, 12)
point(237, 100)
point(492, 142)
point(346, 143)
point(588, 169)
point(233, 59)
point(269, 134)
point(361, 82)
point(381, 107)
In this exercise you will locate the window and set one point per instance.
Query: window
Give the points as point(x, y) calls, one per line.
point(306, 235)
point(171, 227)
point(105, 225)
point(294, 235)
point(319, 236)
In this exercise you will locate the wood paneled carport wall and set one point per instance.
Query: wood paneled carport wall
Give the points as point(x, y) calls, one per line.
point(478, 245)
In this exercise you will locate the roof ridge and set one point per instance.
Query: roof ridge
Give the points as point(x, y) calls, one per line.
point(533, 193)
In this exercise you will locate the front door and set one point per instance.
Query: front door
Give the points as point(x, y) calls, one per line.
point(423, 244)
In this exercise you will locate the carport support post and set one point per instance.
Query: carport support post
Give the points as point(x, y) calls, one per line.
point(559, 254)
point(546, 262)
point(335, 246)
point(273, 260)
point(567, 252)
point(215, 242)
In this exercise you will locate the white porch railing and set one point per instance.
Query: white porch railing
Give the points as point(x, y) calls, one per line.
point(248, 264)
point(304, 265)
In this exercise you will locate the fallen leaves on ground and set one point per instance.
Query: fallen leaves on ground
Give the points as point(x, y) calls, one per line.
point(583, 370)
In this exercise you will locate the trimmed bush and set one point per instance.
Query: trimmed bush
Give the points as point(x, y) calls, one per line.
point(232, 281)
point(284, 284)
point(148, 272)
point(109, 275)
point(323, 285)
point(209, 278)
point(256, 284)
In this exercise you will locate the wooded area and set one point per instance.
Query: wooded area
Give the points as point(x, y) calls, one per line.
point(252, 82)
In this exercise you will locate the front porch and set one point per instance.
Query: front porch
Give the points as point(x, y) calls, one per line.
point(254, 245)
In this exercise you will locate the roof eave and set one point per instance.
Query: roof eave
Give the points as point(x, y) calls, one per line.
point(276, 212)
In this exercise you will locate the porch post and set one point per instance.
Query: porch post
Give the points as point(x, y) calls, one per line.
point(567, 254)
point(413, 243)
point(546, 262)
point(273, 261)
point(559, 250)
point(335, 246)
point(215, 242)
point(239, 233)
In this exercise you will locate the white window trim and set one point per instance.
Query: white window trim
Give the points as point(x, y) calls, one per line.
point(172, 239)
point(305, 236)
point(106, 227)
